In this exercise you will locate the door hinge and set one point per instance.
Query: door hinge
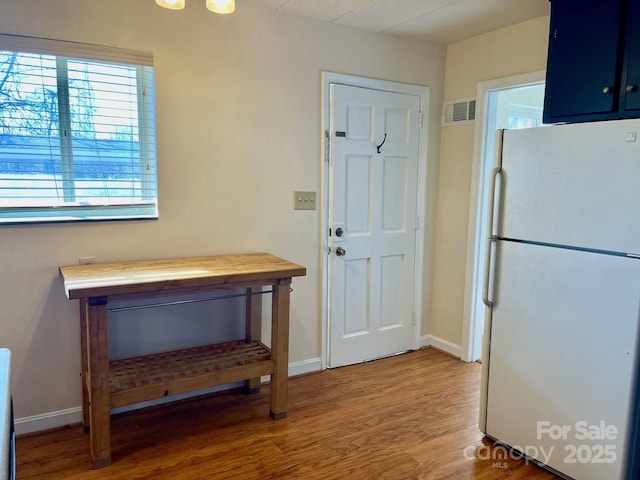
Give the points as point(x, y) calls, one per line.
point(327, 146)
point(414, 315)
point(416, 222)
point(420, 119)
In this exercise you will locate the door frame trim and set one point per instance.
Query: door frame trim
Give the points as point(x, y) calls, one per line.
point(331, 78)
point(471, 350)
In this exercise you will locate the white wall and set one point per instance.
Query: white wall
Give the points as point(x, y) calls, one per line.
point(239, 129)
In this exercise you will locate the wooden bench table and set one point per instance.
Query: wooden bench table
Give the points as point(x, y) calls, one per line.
point(107, 385)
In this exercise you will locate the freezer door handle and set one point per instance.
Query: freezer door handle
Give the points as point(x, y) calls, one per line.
point(493, 177)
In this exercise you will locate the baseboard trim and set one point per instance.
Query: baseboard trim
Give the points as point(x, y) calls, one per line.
point(304, 367)
point(47, 421)
point(441, 344)
point(71, 416)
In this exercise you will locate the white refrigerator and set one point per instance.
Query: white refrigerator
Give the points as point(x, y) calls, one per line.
point(562, 288)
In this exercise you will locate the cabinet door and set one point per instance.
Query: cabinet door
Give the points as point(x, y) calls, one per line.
point(632, 83)
point(585, 44)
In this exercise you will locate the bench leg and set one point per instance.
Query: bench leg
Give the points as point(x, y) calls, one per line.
point(84, 363)
point(98, 375)
point(280, 348)
point(253, 329)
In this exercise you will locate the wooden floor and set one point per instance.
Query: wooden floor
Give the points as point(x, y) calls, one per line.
point(413, 416)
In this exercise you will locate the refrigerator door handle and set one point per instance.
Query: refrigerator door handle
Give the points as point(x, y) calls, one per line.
point(487, 273)
point(491, 237)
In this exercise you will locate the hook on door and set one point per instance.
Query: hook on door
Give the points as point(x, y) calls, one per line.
point(380, 146)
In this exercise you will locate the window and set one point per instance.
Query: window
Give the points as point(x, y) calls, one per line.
point(77, 132)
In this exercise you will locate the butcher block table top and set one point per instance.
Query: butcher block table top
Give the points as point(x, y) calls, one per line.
point(105, 279)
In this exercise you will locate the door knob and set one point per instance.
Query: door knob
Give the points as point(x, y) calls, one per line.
point(339, 232)
point(631, 88)
point(341, 252)
point(607, 90)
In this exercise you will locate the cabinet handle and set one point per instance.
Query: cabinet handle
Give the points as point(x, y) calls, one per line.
point(607, 90)
point(631, 88)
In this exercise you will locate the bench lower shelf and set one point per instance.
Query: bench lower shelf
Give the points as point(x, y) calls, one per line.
point(149, 377)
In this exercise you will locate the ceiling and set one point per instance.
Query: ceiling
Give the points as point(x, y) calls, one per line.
point(439, 21)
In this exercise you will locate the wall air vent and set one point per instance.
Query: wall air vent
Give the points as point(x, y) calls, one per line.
point(458, 112)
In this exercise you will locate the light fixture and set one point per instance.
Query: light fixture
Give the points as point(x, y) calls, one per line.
point(221, 6)
point(171, 4)
point(216, 6)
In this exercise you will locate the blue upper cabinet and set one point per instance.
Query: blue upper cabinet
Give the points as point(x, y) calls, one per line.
point(631, 70)
point(593, 68)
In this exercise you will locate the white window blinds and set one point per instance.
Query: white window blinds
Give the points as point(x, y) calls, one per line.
point(77, 132)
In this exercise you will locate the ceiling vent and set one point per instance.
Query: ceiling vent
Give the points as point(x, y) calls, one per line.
point(458, 112)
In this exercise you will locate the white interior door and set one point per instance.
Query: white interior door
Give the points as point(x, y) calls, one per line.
point(372, 217)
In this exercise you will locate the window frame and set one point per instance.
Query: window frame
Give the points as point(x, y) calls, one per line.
point(143, 63)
